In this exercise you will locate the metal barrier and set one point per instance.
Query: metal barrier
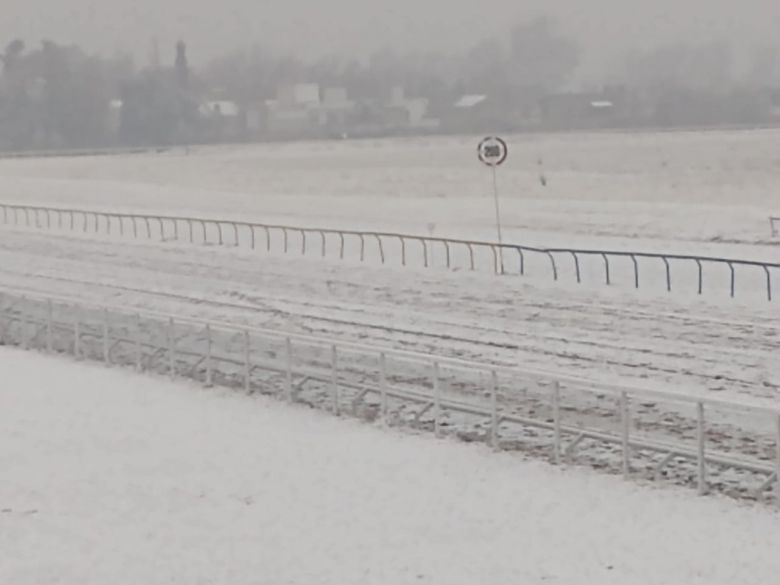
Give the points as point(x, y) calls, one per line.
point(634, 431)
point(409, 249)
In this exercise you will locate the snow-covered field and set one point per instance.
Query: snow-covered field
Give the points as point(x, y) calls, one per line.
point(706, 193)
point(694, 346)
point(110, 477)
point(702, 192)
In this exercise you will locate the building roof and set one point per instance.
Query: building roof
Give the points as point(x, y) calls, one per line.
point(470, 101)
point(223, 107)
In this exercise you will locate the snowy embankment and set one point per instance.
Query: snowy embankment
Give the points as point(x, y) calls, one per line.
point(110, 477)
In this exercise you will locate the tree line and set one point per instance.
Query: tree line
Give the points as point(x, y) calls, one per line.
point(58, 96)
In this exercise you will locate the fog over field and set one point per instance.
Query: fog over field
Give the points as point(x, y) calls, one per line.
point(604, 28)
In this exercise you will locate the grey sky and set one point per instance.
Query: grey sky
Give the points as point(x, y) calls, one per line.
point(310, 27)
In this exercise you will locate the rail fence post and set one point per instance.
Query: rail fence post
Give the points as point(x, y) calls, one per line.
point(701, 276)
point(247, 362)
point(106, 347)
point(577, 267)
point(556, 395)
point(334, 380)
point(733, 280)
point(701, 449)
point(381, 248)
point(497, 265)
point(437, 399)
point(768, 283)
point(554, 265)
point(606, 269)
point(288, 370)
point(668, 274)
point(494, 438)
point(209, 371)
point(625, 424)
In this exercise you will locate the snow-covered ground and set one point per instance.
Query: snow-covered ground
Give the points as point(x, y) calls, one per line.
point(111, 477)
point(676, 343)
point(705, 192)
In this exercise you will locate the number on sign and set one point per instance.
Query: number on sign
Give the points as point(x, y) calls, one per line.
point(493, 151)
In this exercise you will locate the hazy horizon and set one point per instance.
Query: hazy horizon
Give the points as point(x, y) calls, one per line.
point(604, 28)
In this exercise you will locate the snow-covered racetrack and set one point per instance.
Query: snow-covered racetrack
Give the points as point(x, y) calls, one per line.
point(691, 346)
point(109, 477)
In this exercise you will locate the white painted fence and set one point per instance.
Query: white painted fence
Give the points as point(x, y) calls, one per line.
point(716, 445)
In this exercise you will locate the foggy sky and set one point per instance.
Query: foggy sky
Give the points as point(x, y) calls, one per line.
point(605, 28)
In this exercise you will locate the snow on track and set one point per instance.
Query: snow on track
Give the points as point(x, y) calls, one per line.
point(650, 190)
point(110, 477)
point(694, 347)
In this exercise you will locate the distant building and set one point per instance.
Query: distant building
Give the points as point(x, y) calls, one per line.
point(293, 114)
point(223, 120)
point(412, 112)
point(610, 108)
point(479, 112)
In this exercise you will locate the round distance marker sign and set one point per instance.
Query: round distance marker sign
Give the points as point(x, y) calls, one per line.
point(493, 151)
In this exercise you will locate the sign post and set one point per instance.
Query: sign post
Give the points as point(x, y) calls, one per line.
point(493, 152)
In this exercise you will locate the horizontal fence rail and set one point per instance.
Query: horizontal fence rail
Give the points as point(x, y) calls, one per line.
point(409, 250)
point(712, 445)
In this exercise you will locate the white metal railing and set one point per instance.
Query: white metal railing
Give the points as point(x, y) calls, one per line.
point(566, 418)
